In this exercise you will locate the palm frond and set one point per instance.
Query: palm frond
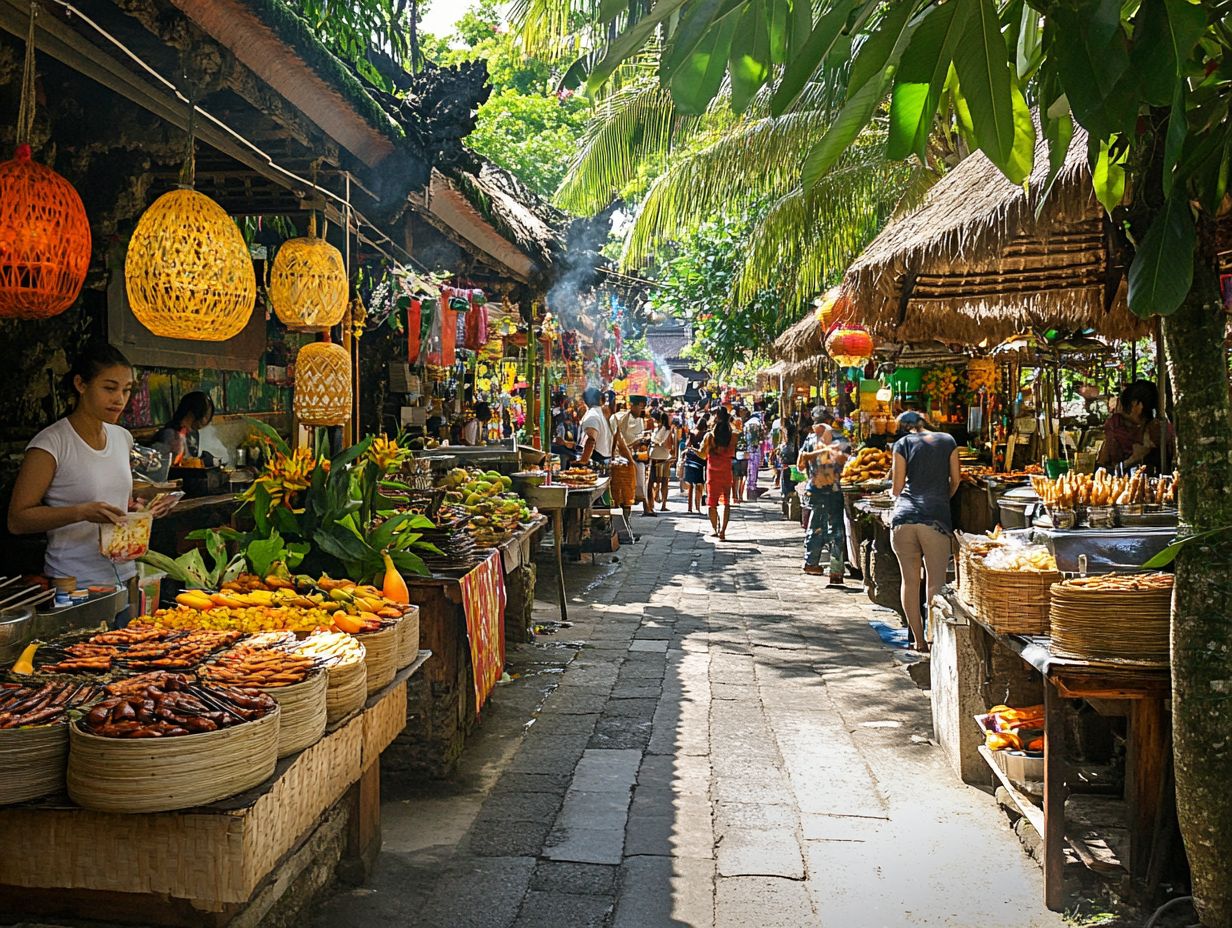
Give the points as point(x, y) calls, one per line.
point(553, 29)
point(804, 242)
point(737, 167)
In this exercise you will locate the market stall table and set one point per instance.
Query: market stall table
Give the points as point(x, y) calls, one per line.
point(237, 859)
point(1145, 691)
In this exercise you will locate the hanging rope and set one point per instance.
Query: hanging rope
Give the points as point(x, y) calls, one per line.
point(25, 112)
point(188, 171)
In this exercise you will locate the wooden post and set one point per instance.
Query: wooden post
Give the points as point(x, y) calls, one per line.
point(1146, 760)
point(1054, 798)
point(558, 530)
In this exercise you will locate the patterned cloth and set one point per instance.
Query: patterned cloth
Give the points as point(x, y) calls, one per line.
point(483, 602)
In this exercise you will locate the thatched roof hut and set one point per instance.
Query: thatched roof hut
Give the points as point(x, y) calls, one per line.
point(802, 340)
point(974, 262)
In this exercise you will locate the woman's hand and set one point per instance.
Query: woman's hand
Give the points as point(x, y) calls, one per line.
point(162, 505)
point(99, 513)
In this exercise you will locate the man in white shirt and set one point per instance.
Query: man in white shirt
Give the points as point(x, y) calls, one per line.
point(595, 430)
point(629, 427)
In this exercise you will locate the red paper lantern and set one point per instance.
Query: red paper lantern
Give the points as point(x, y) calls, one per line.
point(849, 346)
point(44, 240)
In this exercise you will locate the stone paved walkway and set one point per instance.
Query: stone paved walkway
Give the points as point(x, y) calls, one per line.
point(718, 741)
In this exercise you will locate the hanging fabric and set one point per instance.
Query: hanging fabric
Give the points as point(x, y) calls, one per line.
point(476, 327)
point(414, 318)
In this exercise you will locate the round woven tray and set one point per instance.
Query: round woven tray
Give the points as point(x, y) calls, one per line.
point(408, 637)
point(32, 762)
point(304, 712)
point(1012, 602)
point(1111, 625)
point(164, 774)
point(348, 688)
point(380, 656)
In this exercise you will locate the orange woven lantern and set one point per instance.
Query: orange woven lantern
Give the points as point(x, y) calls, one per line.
point(188, 271)
point(308, 283)
point(831, 306)
point(322, 384)
point(849, 346)
point(44, 240)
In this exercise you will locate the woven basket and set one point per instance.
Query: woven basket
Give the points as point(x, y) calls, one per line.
point(304, 713)
point(1110, 625)
point(380, 656)
point(1012, 602)
point(165, 774)
point(624, 484)
point(348, 688)
point(322, 384)
point(408, 638)
point(32, 762)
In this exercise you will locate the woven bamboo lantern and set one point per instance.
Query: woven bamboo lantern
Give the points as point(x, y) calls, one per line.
point(831, 306)
point(323, 384)
point(849, 346)
point(308, 283)
point(188, 271)
point(44, 240)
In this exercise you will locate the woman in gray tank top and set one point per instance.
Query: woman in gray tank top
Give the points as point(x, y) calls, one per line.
point(925, 474)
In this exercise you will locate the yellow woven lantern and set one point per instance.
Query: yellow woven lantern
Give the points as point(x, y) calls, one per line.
point(831, 307)
point(188, 271)
point(323, 384)
point(308, 283)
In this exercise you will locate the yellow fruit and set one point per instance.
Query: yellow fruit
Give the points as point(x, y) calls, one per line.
point(25, 663)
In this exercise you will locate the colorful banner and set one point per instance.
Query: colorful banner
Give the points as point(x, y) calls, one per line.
point(483, 601)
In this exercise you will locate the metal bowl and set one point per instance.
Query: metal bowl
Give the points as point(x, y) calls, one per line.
point(1101, 517)
point(16, 628)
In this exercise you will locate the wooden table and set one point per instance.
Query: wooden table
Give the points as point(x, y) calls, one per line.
point(208, 866)
point(1144, 691)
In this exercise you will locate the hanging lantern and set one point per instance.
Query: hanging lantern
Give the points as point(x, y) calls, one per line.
point(188, 271)
point(44, 232)
point(322, 384)
point(849, 346)
point(831, 307)
point(308, 283)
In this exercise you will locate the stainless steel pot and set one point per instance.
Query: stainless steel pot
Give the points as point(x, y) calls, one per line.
point(1017, 506)
point(16, 630)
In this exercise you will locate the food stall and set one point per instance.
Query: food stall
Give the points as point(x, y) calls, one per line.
point(1049, 664)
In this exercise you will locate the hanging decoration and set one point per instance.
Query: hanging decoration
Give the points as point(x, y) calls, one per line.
point(832, 307)
point(44, 231)
point(322, 384)
point(308, 283)
point(188, 272)
point(849, 346)
point(414, 319)
point(476, 326)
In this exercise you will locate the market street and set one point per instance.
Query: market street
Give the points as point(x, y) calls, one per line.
point(723, 742)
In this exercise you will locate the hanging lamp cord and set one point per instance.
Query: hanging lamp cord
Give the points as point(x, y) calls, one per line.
point(25, 112)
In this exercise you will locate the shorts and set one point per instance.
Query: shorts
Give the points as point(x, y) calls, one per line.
point(740, 468)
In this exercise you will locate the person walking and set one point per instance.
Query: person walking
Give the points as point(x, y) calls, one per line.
point(662, 450)
point(754, 439)
point(695, 464)
point(629, 427)
point(719, 450)
point(740, 466)
point(821, 461)
point(924, 475)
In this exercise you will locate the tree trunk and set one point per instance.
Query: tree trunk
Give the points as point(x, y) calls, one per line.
point(1201, 620)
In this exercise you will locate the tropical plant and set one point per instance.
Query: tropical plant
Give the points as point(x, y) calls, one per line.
point(1151, 83)
point(355, 29)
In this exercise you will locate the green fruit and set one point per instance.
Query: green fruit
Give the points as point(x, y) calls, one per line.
point(507, 482)
point(472, 499)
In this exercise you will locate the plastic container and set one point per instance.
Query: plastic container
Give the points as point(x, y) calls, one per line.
point(127, 540)
point(1055, 467)
point(149, 588)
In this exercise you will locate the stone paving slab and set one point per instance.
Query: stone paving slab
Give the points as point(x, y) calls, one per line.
point(665, 892)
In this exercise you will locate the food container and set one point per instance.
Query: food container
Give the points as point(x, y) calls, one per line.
point(1063, 518)
point(1101, 517)
point(128, 539)
point(380, 656)
point(408, 638)
point(165, 774)
point(32, 761)
point(1014, 506)
point(16, 628)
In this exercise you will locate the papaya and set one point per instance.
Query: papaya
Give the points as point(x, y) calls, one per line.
point(394, 587)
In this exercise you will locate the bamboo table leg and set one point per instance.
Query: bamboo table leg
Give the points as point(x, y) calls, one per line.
point(558, 528)
point(1054, 799)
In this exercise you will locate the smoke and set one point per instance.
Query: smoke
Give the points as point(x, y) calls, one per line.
point(576, 274)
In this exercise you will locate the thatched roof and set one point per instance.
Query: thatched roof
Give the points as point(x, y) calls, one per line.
point(973, 263)
point(802, 340)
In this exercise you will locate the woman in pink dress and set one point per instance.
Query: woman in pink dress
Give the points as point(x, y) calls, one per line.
point(719, 449)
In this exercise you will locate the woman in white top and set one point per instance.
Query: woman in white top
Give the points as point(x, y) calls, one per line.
point(662, 450)
point(76, 473)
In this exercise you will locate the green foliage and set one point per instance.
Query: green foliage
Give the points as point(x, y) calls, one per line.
point(353, 28)
point(696, 278)
point(1108, 62)
point(525, 126)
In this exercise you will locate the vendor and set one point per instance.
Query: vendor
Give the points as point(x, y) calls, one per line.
point(1133, 435)
point(475, 431)
point(76, 473)
point(180, 436)
point(565, 433)
point(597, 438)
